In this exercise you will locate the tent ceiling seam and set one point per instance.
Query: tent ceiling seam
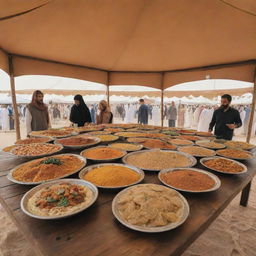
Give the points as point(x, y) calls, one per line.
point(207, 67)
point(24, 12)
point(237, 8)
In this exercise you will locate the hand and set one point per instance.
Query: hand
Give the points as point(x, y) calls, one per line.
point(231, 126)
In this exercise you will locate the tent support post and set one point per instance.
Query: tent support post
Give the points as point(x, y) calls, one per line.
point(107, 92)
point(162, 100)
point(250, 124)
point(162, 107)
point(14, 102)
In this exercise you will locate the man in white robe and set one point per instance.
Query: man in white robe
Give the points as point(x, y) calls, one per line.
point(5, 120)
point(205, 119)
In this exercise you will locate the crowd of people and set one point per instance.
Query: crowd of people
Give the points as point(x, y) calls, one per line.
point(39, 116)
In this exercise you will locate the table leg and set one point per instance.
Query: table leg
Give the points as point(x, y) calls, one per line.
point(245, 194)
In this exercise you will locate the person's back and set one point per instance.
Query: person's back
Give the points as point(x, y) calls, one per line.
point(143, 113)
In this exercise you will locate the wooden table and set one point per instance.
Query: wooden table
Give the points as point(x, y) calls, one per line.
point(97, 232)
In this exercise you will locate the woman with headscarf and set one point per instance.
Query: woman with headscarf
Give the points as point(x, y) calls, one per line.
point(37, 116)
point(105, 116)
point(80, 114)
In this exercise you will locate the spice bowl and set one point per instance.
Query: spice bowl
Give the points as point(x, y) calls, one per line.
point(94, 168)
point(197, 172)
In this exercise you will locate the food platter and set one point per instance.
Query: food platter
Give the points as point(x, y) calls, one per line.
point(91, 167)
point(35, 156)
point(220, 153)
point(203, 143)
point(183, 149)
point(102, 160)
point(76, 147)
point(191, 159)
point(31, 192)
point(214, 177)
point(202, 161)
point(26, 141)
point(11, 178)
point(44, 134)
point(139, 147)
point(183, 217)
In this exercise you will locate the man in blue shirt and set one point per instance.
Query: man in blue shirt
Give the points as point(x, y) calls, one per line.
point(143, 112)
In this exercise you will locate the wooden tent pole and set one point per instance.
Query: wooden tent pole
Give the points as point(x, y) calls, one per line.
point(14, 102)
point(250, 124)
point(107, 92)
point(162, 100)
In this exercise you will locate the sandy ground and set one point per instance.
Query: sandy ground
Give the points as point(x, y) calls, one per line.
point(233, 233)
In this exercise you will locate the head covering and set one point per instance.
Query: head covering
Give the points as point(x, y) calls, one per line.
point(38, 105)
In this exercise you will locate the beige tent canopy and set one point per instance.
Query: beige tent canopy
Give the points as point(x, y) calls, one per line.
point(156, 43)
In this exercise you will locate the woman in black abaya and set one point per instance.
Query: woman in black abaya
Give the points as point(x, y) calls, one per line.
point(80, 114)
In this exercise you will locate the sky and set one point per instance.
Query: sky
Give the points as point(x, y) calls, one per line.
point(52, 82)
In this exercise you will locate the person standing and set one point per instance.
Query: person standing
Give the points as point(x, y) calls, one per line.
point(181, 116)
point(143, 112)
point(225, 119)
point(5, 123)
point(105, 116)
point(80, 114)
point(37, 116)
point(172, 115)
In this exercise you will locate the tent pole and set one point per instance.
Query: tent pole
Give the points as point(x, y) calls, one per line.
point(107, 92)
point(250, 124)
point(162, 100)
point(14, 102)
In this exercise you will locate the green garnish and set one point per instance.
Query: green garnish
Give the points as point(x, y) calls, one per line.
point(51, 160)
point(63, 202)
point(51, 200)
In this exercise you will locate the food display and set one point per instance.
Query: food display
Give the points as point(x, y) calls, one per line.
point(181, 142)
point(137, 140)
point(210, 144)
point(36, 149)
point(239, 145)
point(107, 137)
point(33, 140)
point(103, 153)
point(98, 133)
point(171, 133)
point(156, 160)
point(235, 153)
point(59, 199)
point(197, 151)
point(89, 128)
point(187, 132)
point(140, 134)
point(204, 134)
point(9, 148)
point(56, 133)
point(47, 168)
point(113, 130)
point(126, 146)
point(223, 165)
point(190, 180)
point(188, 137)
point(155, 143)
point(111, 175)
point(150, 208)
point(78, 141)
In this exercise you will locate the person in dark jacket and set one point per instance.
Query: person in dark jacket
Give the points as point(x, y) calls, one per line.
point(80, 114)
point(225, 119)
point(143, 112)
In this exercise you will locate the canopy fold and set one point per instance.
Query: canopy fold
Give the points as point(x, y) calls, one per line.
point(28, 66)
point(4, 63)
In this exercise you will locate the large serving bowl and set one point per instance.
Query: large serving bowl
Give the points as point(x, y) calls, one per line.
point(31, 192)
